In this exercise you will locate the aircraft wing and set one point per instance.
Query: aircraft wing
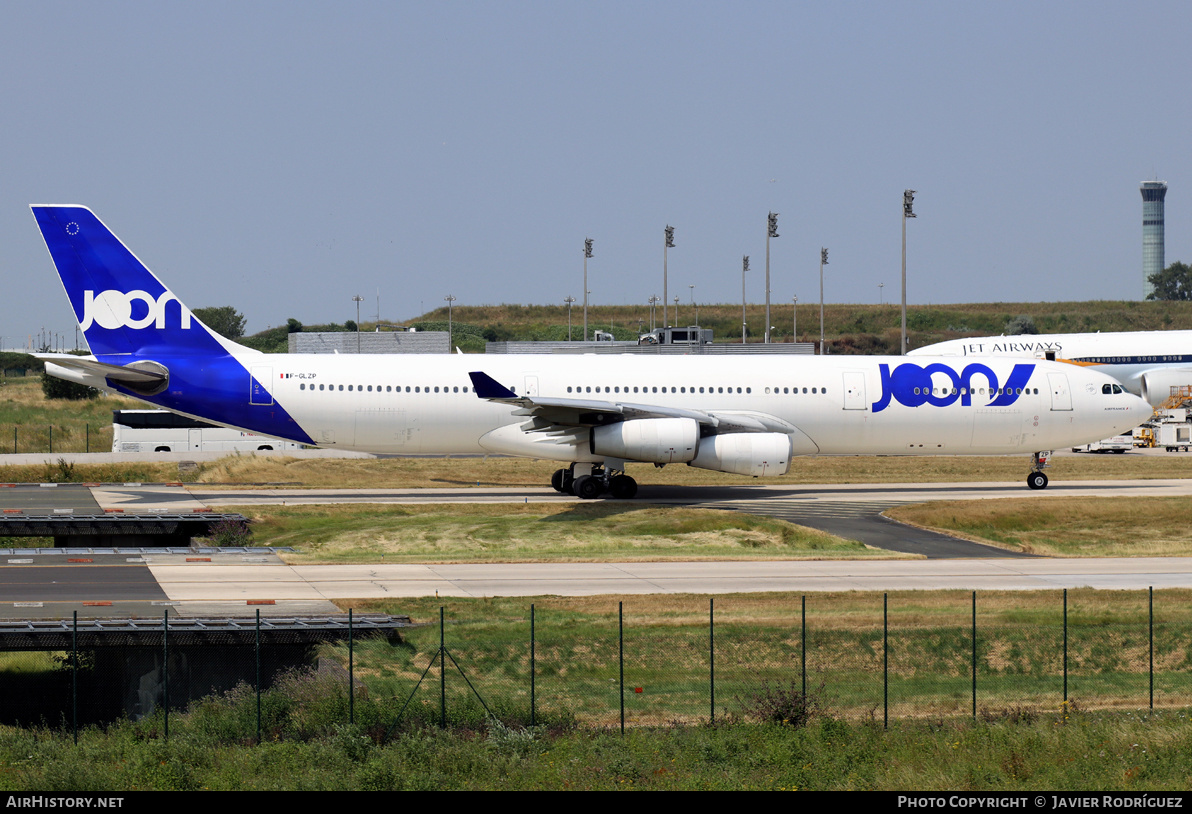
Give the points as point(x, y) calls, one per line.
point(550, 413)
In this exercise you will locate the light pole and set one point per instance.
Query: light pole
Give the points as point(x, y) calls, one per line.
point(795, 318)
point(744, 268)
point(771, 231)
point(908, 202)
point(450, 299)
point(694, 307)
point(358, 299)
point(587, 254)
point(881, 298)
point(569, 301)
point(668, 243)
point(823, 262)
point(653, 307)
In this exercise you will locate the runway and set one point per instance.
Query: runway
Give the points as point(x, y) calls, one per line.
point(224, 583)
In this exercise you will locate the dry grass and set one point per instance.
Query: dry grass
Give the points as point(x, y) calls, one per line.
point(584, 532)
point(1065, 527)
point(413, 473)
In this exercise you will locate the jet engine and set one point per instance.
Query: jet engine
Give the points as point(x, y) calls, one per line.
point(1157, 384)
point(745, 453)
point(652, 440)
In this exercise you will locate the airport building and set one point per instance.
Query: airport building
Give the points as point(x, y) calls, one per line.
point(1153, 193)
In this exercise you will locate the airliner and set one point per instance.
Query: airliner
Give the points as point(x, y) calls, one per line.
point(594, 414)
point(1147, 363)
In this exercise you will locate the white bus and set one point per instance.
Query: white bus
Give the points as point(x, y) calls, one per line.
point(163, 431)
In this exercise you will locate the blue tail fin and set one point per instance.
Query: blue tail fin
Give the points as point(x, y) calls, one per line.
point(121, 306)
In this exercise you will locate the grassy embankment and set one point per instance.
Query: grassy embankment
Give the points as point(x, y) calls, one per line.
point(1052, 751)
point(849, 327)
point(1024, 736)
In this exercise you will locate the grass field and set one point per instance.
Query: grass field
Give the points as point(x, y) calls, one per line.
point(1056, 750)
point(1064, 527)
point(758, 639)
point(581, 532)
point(1024, 734)
point(29, 422)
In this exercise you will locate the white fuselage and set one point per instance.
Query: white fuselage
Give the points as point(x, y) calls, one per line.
point(415, 404)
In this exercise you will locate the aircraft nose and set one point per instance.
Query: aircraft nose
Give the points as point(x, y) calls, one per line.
point(1140, 409)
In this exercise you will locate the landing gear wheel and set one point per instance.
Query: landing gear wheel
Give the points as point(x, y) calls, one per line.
point(622, 487)
point(556, 480)
point(1036, 480)
point(588, 488)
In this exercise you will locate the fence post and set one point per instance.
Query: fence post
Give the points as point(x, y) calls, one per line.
point(621, 658)
point(885, 665)
point(74, 677)
point(257, 652)
point(351, 673)
point(1065, 648)
point(533, 671)
point(1150, 635)
point(711, 661)
point(442, 673)
point(165, 668)
point(974, 654)
point(803, 647)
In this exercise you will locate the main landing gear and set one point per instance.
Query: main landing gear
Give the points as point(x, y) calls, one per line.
point(592, 481)
point(1039, 461)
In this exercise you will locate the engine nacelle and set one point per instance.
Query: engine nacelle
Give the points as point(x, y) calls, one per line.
point(745, 453)
point(1156, 384)
point(651, 440)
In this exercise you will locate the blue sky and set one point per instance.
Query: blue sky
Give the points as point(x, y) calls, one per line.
point(283, 157)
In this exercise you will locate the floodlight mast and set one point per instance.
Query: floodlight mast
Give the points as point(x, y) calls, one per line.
point(587, 254)
point(771, 231)
point(668, 243)
point(908, 202)
point(823, 262)
point(744, 268)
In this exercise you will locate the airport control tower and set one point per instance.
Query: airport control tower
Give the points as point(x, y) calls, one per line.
point(1153, 193)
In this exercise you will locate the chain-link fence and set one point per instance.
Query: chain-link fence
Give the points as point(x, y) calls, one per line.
point(49, 438)
point(589, 663)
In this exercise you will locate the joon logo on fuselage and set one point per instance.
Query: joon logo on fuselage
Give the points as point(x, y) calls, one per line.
point(911, 385)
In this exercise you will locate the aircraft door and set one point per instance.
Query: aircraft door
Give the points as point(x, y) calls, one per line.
point(531, 386)
point(1061, 396)
point(258, 393)
point(854, 390)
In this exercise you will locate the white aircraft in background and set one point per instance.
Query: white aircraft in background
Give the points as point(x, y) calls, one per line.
point(1147, 363)
point(595, 414)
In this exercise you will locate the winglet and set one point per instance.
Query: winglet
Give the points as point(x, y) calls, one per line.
point(486, 387)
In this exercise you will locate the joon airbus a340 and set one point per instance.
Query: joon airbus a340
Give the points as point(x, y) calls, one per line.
point(595, 414)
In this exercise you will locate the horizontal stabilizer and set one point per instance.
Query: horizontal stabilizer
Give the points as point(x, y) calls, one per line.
point(116, 373)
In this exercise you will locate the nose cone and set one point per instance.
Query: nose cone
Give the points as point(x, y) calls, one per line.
point(1140, 410)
